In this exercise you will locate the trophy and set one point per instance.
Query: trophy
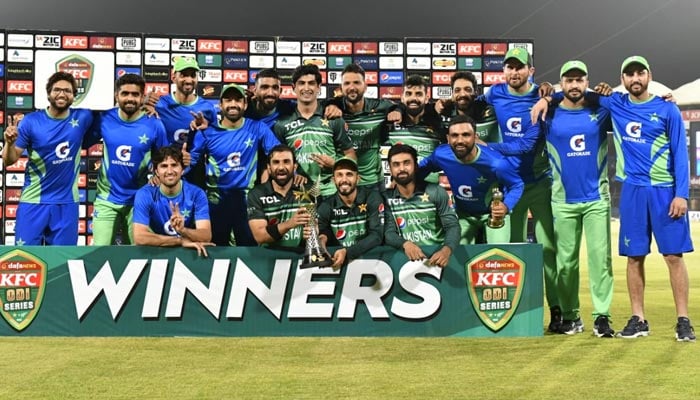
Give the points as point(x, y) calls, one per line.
point(315, 254)
point(496, 198)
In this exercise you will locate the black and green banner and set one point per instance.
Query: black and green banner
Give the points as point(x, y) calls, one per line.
point(485, 291)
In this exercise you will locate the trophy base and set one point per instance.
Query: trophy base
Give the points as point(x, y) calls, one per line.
point(320, 264)
point(319, 258)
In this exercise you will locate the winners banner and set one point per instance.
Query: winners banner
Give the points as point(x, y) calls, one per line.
point(485, 291)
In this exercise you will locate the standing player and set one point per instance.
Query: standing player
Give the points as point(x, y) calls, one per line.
point(232, 149)
point(577, 143)
point(418, 213)
point(315, 139)
point(174, 213)
point(350, 218)
point(129, 139)
point(473, 172)
point(48, 207)
point(266, 105)
point(420, 126)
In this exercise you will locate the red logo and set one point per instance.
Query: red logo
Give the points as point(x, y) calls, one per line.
point(442, 78)
point(287, 93)
point(323, 76)
point(157, 88)
point(469, 49)
point(371, 77)
point(102, 43)
point(209, 46)
point(2, 115)
point(339, 47)
point(75, 42)
point(236, 75)
point(390, 92)
point(19, 166)
point(82, 180)
point(13, 194)
point(495, 49)
point(81, 226)
point(366, 48)
point(492, 78)
point(235, 46)
point(20, 87)
point(11, 210)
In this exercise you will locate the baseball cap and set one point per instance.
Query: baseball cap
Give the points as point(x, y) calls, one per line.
point(345, 162)
point(519, 54)
point(237, 88)
point(573, 64)
point(183, 63)
point(635, 60)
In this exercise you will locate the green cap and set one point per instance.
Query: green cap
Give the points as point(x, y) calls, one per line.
point(574, 64)
point(635, 60)
point(182, 63)
point(230, 86)
point(346, 163)
point(519, 54)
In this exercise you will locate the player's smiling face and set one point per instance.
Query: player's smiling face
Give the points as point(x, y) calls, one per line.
point(463, 92)
point(61, 95)
point(186, 81)
point(306, 88)
point(461, 138)
point(516, 73)
point(636, 79)
point(403, 168)
point(129, 98)
point(353, 87)
point(281, 167)
point(414, 98)
point(267, 92)
point(345, 180)
point(169, 171)
point(574, 84)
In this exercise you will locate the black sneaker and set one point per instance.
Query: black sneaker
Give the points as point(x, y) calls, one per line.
point(555, 319)
point(571, 327)
point(601, 327)
point(635, 328)
point(684, 331)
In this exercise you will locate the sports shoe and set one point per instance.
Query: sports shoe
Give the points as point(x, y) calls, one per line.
point(601, 327)
point(684, 331)
point(555, 319)
point(571, 327)
point(635, 328)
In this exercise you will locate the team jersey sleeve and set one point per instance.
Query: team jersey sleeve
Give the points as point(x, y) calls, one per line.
point(24, 130)
point(428, 165)
point(201, 205)
point(255, 207)
point(679, 152)
point(324, 221)
point(142, 207)
point(448, 218)
point(373, 238)
point(161, 138)
point(268, 139)
point(514, 185)
point(340, 135)
point(392, 235)
point(526, 144)
point(198, 149)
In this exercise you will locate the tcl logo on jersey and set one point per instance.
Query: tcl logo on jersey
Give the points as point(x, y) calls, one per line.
point(157, 88)
point(236, 75)
point(313, 47)
point(123, 153)
point(492, 78)
point(441, 78)
point(633, 129)
point(62, 150)
point(47, 41)
point(340, 48)
point(184, 44)
point(209, 46)
point(20, 87)
point(468, 49)
point(577, 143)
point(235, 46)
point(75, 42)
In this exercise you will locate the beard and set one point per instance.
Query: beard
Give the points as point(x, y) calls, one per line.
point(60, 109)
point(637, 88)
point(463, 152)
point(574, 97)
point(233, 117)
point(282, 180)
point(403, 179)
point(414, 111)
point(129, 108)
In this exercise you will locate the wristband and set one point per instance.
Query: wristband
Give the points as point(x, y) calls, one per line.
point(274, 231)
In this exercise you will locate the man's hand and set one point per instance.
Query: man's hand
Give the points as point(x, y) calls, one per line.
point(332, 112)
point(339, 258)
point(441, 105)
point(186, 156)
point(603, 89)
point(10, 134)
point(200, 246)
point(441, 257)
point(669, 97)
point(301, 217)
point(413, 252)
point(198, 123)
point(324, 160)
point(539, 110)
point(154, 181)
point(678, 208)
point(177, 221)
point(546, 89)
point(499, 210)
point(149, 103)
point(394, 117)
point(299, 180)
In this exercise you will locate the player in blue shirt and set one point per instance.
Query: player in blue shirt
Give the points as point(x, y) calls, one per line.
point(512, 102)
point(129, 138)
point(473, 172)
point(48, 207)
point(577, 144)
point(231, 149)
point(173, 213)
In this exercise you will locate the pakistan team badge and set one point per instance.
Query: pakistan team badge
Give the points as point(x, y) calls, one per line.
point(495, 281)
point(82, 69)
point(22, 285)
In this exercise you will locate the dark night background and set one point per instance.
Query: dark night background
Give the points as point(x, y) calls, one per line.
point(599, 32)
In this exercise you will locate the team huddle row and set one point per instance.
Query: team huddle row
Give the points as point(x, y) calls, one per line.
point(548, 155)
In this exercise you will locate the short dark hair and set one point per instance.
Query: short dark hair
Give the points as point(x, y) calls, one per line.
point(308, 69)
point(281, 148)
point(130, 79)
point(164, 152)
point(399, 148)
point(464, 75)
point(353, 68)
point(61, 76)
point(415, 80)
point(267, 73)
point(462, 119)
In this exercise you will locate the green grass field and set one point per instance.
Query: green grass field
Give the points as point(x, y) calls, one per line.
point(552, 367)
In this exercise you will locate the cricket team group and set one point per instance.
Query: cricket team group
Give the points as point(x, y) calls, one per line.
point(272, 172)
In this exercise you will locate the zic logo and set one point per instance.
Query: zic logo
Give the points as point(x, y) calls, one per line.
point(341, 234)
point(22, 286)
point(62, 150)
point(465, 191)
point(124, 152)
point(634, 129)
point(234, 159)
point(168, 229)
point(401, 222)
point(577, 143)
point(514, 124)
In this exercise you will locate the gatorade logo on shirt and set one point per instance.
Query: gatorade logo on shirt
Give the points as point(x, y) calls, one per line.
point(577, 143)
point(124, 153)
point(634, 129)
point(465, 191)
point(62, 150)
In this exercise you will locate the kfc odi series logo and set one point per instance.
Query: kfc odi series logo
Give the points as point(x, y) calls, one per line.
point(22, 285)
point(495, 283)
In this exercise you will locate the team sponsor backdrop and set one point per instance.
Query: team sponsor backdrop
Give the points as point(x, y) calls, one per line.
point(484, 291)
point(96, 59)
